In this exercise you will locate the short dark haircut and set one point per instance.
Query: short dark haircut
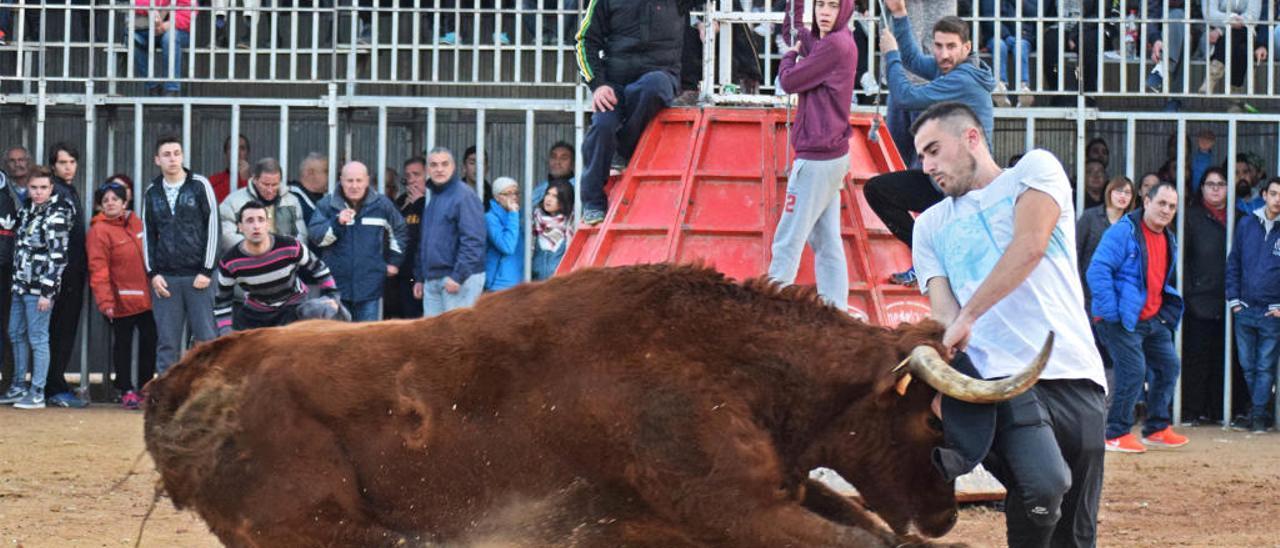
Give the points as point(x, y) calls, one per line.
point(953, 25)
point(946, 111)
point(251, 204)
point(267, 165)
point(1155, 189)
point(1095, 161)
point(415, 160)
point(226, 143)
point(166, 140)
point(1097, 141)
point(1271, 181)
point(469, 152)
point(561, 144)
point(62, 146)
point(38, 172)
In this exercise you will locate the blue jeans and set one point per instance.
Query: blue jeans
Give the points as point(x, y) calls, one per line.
point(437, 301)
point(619, 130)
point(29, 333)
point(1258, 346)
point(364, 311)
point(141, 66)
point(1007, 44)
point(1144, 354)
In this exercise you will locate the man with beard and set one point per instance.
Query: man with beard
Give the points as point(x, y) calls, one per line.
point(997, 259)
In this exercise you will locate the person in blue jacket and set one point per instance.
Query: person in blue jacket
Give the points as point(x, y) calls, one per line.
point(361, 236)
point(449, 273)
point(1253, 293)
point(504, 255)
point(1131, 277)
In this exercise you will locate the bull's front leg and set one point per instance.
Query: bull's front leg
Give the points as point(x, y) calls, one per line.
point(720, 478)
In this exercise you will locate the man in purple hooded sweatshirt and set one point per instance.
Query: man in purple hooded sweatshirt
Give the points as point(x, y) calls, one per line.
point(820, 68)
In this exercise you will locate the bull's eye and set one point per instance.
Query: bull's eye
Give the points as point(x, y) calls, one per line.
point(935, 423)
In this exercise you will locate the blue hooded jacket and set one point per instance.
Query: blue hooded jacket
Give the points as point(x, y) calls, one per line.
point(970, 82)
point(453, 234)
point(1118, 275)
point(504, 255)
point(1253, 266)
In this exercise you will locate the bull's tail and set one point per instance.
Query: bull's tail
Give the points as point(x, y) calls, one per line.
point(191, 418)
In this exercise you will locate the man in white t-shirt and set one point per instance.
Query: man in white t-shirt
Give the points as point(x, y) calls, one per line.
point(997, 259)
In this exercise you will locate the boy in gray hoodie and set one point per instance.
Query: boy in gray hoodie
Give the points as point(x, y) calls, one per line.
point(820, 67)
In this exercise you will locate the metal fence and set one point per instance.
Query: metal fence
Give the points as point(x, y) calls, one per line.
point(1071, 48)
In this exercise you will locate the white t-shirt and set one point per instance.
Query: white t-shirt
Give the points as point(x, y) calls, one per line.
point(961, 239)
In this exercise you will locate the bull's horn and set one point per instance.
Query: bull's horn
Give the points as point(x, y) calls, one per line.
point(927, 365)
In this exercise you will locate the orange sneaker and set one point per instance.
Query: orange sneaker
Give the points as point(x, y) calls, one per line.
point(1165, 438)
point(1127, 443)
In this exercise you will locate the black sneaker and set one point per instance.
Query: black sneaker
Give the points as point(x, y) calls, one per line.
point(1258, 425)
point(1241, 423)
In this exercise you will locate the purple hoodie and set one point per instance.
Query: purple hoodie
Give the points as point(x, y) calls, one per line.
point(824, 79)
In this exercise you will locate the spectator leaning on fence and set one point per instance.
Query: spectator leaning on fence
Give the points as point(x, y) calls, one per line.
point(1204, 289)
point(504, 252)
point(118, 277)
point(449, 273)
point(361, 237)
point(1253, 293)
point(284, 213)
point(1131, 278)
point(65, 321)
point(271, 270)
point(180, 228)
point(44, 234)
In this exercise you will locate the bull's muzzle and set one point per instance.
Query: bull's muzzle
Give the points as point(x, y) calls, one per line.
point(926, 364)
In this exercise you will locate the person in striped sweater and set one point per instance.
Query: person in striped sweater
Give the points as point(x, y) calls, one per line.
point(271, 270)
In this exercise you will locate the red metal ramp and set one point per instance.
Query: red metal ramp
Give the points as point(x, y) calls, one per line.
point(707, 184)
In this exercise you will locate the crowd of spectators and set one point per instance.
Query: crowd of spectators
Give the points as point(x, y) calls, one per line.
point(183, 258)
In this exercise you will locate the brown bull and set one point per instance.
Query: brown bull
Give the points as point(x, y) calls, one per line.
point(639, 406)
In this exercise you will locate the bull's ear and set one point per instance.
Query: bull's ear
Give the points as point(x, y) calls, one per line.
point(890, 388)
point(901, 386)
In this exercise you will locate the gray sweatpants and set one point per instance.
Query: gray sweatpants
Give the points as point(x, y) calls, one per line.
point(811, 213)
point(185, 306)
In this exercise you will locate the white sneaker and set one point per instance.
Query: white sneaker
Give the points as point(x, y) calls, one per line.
point(1000, 97)
point(33, 400)
point(1025, 98)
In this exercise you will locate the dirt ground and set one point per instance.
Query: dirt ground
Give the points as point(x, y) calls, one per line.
point(65, 481)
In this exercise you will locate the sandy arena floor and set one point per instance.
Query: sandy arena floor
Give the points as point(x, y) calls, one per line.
point(58, 469)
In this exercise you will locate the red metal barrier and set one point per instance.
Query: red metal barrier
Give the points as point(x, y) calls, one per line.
point(706, 184)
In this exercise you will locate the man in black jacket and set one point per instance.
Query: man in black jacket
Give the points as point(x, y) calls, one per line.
point(9, 206)
point(629, 55)
point(64, 159)
point(180, 247)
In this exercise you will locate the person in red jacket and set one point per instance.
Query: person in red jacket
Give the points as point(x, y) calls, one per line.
point(118, 278)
